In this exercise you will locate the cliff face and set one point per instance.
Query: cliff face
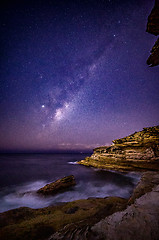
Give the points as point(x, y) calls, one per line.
point(153, 28)
point(138, 151)
point(139, 221)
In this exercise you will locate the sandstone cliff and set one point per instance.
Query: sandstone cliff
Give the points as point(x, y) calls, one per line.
point(100, 218)
point(136, 152)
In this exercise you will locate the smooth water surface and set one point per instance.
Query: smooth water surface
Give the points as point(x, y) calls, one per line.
point(22, 174)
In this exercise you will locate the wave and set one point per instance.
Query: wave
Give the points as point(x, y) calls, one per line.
point(25, 195)
point(74, 163)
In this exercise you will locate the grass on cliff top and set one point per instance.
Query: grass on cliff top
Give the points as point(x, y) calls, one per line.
point(150, 134)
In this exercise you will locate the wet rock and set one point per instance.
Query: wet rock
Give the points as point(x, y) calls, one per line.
point(57, 186)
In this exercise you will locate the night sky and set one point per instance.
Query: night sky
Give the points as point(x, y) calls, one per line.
point(73, 74)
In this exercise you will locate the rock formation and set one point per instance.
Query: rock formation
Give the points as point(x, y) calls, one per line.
point(137, 152)
point(39, 224)
point(138, 221)
point(92, 219)
point(98, 218)
point(153, 28)
point(57, 186)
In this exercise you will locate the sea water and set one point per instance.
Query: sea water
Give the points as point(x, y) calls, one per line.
point(21, 175)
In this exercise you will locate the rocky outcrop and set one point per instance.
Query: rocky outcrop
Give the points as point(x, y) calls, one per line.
point(153, 28)
point(64, 219)
point(92, 219)
point(148, 181)
point(81, 230)
point(136, 152)
point(57, 186)
point(139, 221)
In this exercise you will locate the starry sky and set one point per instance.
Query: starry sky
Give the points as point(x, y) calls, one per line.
point(73, 74)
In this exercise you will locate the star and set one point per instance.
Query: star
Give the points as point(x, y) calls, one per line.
point(70, 68)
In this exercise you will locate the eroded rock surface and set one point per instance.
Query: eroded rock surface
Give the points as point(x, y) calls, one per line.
point(57, 186)
point(136, 152)
point(139, 221)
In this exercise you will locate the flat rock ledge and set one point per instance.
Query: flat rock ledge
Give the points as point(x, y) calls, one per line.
point(136, 152)
point(57, 186)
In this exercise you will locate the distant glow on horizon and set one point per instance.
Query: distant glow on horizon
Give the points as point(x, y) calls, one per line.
point(71, 79)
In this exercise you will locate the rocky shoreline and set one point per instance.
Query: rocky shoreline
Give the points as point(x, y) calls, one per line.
point(138, 221)
point(111, 218)
point(98, 218)
point(91, 219)
point(139, 218)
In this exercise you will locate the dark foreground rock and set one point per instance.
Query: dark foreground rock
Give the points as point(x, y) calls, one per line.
point(136, 152)
point(58, 186)
point(139, 219)
point(39, 224)
point(153, 28)
point(110, 218)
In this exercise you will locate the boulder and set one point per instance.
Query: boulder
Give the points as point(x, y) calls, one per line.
point(57, 186)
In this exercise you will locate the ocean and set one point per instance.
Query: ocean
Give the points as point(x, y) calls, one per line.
point(22, 174)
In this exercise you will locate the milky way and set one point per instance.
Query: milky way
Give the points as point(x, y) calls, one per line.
point(73, 73)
